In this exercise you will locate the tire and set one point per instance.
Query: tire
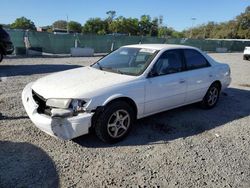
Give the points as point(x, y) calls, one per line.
point(109, 127)
point(1, 56)
point(244, 57)
point(212, 96)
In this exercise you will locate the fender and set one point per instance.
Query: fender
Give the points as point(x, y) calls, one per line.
point(105, 101)
point(113, 97)
point(139, 106)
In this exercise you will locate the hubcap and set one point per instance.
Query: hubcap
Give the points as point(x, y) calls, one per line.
point(118, 123)
point(213, 96)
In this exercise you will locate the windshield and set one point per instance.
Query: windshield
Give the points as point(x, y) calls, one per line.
point(130, 61)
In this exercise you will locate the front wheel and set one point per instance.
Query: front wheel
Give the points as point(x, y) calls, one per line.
point(211, 97)
point(115, 122)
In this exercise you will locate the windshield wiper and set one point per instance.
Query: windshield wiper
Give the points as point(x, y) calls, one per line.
point(112, 70)
point(120, 72)
point(100, 67)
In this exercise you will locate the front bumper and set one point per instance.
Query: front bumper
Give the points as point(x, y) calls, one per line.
point(63, 128)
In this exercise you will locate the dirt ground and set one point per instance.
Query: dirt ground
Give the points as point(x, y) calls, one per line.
point(185, 147)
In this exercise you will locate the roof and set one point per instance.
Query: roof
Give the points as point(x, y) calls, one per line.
point(159, 46)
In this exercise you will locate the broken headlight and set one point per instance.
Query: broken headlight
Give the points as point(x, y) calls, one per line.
point(77, 106)
point(58, 103)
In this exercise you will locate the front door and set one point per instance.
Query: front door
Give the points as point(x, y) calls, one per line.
point(167, 83)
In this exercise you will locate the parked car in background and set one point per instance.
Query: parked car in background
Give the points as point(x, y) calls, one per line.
point(132, 82)
point(246, 53)
point(6, 46)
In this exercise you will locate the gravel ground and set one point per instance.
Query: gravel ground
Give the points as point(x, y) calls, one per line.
point(185, 147)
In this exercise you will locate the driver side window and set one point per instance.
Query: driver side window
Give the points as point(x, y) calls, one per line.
point(168, 63)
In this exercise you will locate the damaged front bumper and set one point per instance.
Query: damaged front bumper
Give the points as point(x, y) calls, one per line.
point(65, 128)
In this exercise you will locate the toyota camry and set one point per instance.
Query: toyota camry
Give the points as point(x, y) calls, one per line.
point(130, 83)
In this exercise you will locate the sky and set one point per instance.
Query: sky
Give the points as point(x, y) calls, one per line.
point(176, 13)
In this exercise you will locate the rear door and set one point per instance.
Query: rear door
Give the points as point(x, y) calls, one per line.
point(200, 75)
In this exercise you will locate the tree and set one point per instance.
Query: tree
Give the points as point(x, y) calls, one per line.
point(111, 15)
point(154, 27)
point(131, 26)
point(116, 26)
point(236, 28)
point(247, 10)
point(145, 25)
point(95, 26)
point(169, 32)
point(166, 32)
point(123, 25)
point(60, 24)
point(75, 27)
point(23, 23)
point(210, 29)
point(177, 34)
point(244, 24)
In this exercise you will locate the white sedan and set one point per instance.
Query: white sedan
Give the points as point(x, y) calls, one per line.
point(130, 83)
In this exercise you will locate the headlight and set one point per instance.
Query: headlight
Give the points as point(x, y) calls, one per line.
point(77, 106)
point(58, 103)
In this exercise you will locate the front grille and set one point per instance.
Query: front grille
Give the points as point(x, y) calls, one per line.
point(42, 108)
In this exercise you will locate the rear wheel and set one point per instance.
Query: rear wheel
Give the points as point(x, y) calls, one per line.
point(212, 96)
point(115, 122)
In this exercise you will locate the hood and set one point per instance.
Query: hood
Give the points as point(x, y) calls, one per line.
point(77, 83)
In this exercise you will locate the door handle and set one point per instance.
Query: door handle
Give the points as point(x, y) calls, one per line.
point(182, 81)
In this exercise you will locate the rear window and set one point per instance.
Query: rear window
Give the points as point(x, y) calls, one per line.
point(194, 59)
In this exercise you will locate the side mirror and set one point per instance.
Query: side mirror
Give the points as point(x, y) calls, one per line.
point(152, 73)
